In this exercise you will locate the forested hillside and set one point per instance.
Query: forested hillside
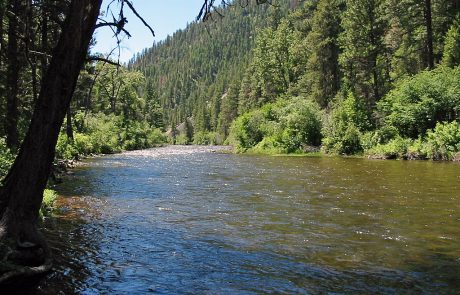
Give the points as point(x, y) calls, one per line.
point(378, 77)
point(192, 70)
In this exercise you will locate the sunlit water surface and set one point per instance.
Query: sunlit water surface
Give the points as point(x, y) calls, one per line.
point(190, 220)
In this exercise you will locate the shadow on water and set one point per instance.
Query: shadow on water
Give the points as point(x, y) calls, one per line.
point(73, 236)
point(184, 220)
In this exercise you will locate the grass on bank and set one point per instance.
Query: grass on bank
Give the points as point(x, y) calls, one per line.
point(48, 203)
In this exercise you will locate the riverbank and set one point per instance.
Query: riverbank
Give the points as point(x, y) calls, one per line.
point(383, 154)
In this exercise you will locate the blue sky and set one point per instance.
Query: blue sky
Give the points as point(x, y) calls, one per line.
point(164, 16)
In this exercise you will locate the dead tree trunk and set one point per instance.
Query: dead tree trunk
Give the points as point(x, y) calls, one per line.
point(22, 247)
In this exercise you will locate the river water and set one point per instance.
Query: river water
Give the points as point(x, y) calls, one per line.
point(190, 220)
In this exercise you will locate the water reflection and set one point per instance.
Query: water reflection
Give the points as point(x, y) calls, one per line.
point(186, 220)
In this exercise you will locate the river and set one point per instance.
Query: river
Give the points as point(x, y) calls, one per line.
point(194, 220)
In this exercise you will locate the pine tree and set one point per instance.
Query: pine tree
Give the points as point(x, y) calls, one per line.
point(364, 57)
point(154, 112)
point(229, 109)
point(451, 56)
point(322, 78)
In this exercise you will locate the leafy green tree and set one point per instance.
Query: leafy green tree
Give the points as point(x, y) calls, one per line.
point(419, 102)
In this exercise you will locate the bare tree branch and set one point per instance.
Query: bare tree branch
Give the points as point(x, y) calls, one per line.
point(105, 60)
point(130, 5)
point(114, 24)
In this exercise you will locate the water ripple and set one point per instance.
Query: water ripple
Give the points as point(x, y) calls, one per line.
point(193, 220)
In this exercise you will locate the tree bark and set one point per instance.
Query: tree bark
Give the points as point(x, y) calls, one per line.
point(29, 46)
point(12, 80)
point(69, 129)
point(22, 193)
point(2, 74)
point(2, 42)
point(429, 34)
point(44, 38)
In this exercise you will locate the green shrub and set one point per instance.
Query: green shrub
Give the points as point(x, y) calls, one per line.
point(417, 150)
point(83, 144)
point(443, 142)
point(246, 130)
point(207, 138)
point(380, 136)
point(347, 143)
point(155, 137)
point(300, 122)
point(395, 149)
point(182, 139)
point(49, 199)
point(201, 138)
point(6, 158)
point(451, 55)
point(285, 126)
point(65, 149)
point(106, 132)
point(344, 125)
point(269, 145)
point(419, 102)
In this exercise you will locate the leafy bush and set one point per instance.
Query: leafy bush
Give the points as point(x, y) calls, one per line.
point(49, 198)
point(301, 124)
point(6, 158)
point(394, 149)
point(380, 136)
point(417, 150)
point(139, 135)
point(182, 139)
point(269, 145)
point(419, 102)
point(285, 126)
point(369, 140)
point(207, 138)
point(107, 134)
point(65, 149)
point(344, 126)
point(201, 138)
point(155, 137)
point(83, 144)
point(443, 142)
point(246, 130)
